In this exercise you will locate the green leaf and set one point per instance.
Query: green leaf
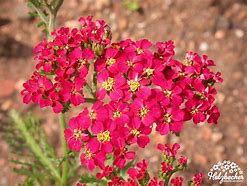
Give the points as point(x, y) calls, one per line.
point(86, 178)
point(25, 138)
point(40, 24)
point(124, 170)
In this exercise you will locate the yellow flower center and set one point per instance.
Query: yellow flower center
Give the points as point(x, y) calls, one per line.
point(92, 115)
point(81, 62)
point(108, 84)
point(88, 154)
point(66, 47)
point(168, 118)
point(104, 136)
point(149, 72)
point(116, 114)
point(94, 31)
point(134, 85)
point(135, 132)
point(168, 93)
point(77, 133)
point(194, 111)
point(188, 62)
point(199, 95)
point(139, 51)
point(110, 61)
point(181, 74)
point(143, 112)
point(130, 63)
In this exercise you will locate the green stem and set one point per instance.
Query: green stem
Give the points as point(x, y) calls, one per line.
point(89, 90)
point(89, 100)
point(167, 180)
point(39, 12)
point(57, 5)
point(65, 169)
point(94, 83)
point(34, 146)
point(51, 25)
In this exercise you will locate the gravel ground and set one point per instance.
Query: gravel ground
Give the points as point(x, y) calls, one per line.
point(217, 28)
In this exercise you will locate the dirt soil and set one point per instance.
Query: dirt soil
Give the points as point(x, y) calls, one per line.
point(217, 28)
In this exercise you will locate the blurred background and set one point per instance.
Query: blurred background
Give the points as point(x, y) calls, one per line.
point(213, 27)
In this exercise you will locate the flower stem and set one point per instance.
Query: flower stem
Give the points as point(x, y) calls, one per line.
point(89, 100)
point(167, 180)
point(34, 146)
point(65, 169)
point(89, 90)
point(94, 83)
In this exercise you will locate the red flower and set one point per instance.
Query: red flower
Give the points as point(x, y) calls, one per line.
point(167, 150)
point(141, 48)
point(111, 85)
point(170, 92)
point(155, 182)
point(146, 110)
point(138, 133)
point(177, 181)
point(118, 112)
point(172, 120)
point(104, 134)
point(137, 87)
point(129, 61)
point(166, 167)
point(197, 179)
point(121, 153)
point(109, 61)
point(214, 115)
point(71, 93)
point(76, 133)
point(140, 171)
point(197, 110)
point(182, 160)
point(91, 156)
point(98, 112)
point(165, 51)
point(106, 172)
point(79, 60)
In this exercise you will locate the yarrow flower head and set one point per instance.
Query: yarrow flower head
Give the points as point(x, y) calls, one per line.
point(137, 87)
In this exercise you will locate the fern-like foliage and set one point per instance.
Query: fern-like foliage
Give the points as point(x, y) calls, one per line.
point(27, 163)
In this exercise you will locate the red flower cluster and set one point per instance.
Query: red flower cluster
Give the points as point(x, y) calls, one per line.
point(63, 64)
point(136, 87)
point(139, 175)
point(144, 90)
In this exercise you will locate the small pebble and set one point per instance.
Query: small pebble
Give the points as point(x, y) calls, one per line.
point(239, 33)
point(239, 151)
point(219, 34)
point(6, 105)
point(141, 25)
point(112, 16)
point(203, 46)
point(217, 136)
